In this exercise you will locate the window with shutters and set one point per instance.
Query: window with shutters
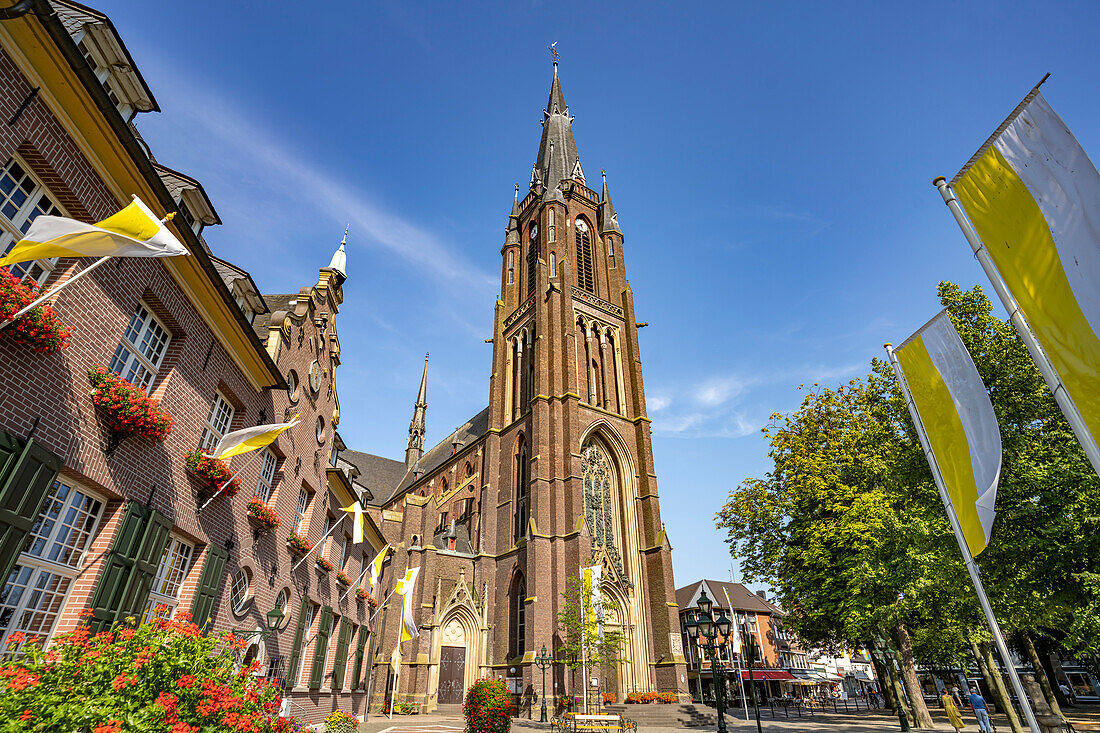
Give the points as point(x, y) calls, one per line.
point(311, 613)
point(217, 423)
point(266, 482)
point(586, 279)
point(22, 199)
point(241, 593)
point(141, 351)
point(300, 511)
point(164, 596)
point(52, 558)
point(532, 257)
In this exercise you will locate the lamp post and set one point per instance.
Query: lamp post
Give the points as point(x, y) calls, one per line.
point(886, 655)
point(705, 626)
point(543, 661)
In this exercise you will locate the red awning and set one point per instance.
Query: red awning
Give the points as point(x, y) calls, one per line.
point(767, 674)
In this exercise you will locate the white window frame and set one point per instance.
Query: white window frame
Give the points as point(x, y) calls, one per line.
point(40, 566)
point(106, 78)
point(213, 431)
point(169, 573)
point(265, 484)
point(311, 616)
point(138, 358)
point(301, 509)
point(239, 607)
point(12, 228)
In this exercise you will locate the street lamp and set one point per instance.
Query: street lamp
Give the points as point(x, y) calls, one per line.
point(274, 620)
point(884, 653)
point(543, 662)
point(704, 625)
point(750, 659)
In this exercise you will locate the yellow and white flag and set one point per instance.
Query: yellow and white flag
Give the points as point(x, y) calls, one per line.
point(593, 598)
point(405, 588)
point(356, 510)
point(376, 567)
point(249, 439)
point(959, 422)
point(133, 232)
point(1033, 195)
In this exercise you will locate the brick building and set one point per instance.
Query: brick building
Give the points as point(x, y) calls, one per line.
point(555, 473)
point(88, 520)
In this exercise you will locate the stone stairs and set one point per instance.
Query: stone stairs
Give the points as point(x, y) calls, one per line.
point(677, 715)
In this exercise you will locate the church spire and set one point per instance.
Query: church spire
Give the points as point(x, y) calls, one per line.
point(609, 220)
point(415, 447)
point(557, 158)
point(512, 233)
point(339, 257)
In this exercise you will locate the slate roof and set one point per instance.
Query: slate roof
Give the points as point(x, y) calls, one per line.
point(741, 597)
point(380, 475)
point(275, 304)
point(470, 431)
point(556, 162)
point(177, 183)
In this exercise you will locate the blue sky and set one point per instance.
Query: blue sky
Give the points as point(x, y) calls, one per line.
point(771, 166)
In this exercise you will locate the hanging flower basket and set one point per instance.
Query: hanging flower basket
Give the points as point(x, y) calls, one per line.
point(39, 328)
point(128, 409)
point(297, 543)
point(361, 594)
point(212, 473)
point(324, 564)
point(342, 578)
point(263, 515)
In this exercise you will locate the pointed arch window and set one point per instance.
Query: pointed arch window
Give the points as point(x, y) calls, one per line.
point(550, 226)
point(532, 257)
point(553, 264)
point(610, 247)
point(586, 279)
point(517, 613)
point(522, 514)
point(511, 266)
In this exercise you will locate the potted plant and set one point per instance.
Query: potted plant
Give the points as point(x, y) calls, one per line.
point(372, 602)
point(361, 594)
point(263, 515)
point(129, 411)
point(488, 707)
point(39, 328)
point(211, 473)
point(323, 563)
point(297, 543)
point(342, 578)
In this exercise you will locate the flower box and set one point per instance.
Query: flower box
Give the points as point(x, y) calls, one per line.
point(361, 594)
point(324, 564)
point(342, 578)
point(39, 328)
point(372, 601)
point(128, 409)
point(212, 473)
point(263, 515)
point(297, 543)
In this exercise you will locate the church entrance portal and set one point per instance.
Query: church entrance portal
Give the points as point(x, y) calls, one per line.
point(452, 674)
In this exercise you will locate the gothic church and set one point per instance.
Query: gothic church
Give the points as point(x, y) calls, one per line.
point(555, 473)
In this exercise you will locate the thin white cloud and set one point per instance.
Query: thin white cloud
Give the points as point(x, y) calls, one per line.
point(656, 403)
point(719, 390)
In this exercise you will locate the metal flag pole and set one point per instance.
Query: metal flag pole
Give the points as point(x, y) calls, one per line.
point(396, 677)
point(968, 560)
point(233, 476)
point(1054, 382)
point(584, 645)
point(737, 631)
point(323, 538)
point(43, 298)
point(355, 584)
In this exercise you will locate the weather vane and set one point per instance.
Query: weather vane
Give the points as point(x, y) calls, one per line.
point(554, 51)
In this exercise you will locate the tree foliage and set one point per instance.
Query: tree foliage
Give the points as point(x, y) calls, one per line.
point(580, 640)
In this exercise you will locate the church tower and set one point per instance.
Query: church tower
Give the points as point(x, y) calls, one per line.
point(555, 474)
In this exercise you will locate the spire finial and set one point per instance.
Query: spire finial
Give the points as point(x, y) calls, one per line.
point(345, 239)
point(517, 192)
point(555, 54)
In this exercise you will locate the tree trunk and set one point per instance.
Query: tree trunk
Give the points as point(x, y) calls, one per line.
point(921, 717)
point(1003, 699)
point(1048, 668)
point(1041, 674)
point(884, 683)
point(989, 684)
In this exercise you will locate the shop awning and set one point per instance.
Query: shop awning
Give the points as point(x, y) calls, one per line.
point(767, 674)
point(862, 676)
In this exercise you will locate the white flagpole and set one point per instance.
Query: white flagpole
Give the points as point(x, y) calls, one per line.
point(968, 560)
point(1054, 382)
point(357, 582)
point(43, 298)
point(396, 677)
point(233, 476)
point(584, 645)
point(737, 631)
point(334, 526)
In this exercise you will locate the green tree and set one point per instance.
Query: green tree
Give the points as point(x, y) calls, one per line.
point(581, 641)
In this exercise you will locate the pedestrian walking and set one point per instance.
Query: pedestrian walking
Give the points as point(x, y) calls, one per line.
point(953, 715)
point(981, 711)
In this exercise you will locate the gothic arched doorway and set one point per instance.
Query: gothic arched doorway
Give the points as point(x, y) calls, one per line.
point(452, 664)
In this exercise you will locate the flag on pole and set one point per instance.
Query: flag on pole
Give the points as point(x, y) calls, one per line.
point(355, 509)
point(405, 588)
point(1033, 196)
point(249, 439)
point(735, 630)
point(958, 419)
point(133, 232)
point(593, 597)
point(376, 567)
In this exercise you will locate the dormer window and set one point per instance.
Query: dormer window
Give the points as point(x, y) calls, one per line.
point(249, 314)
point(188, 218)
point(107, 79)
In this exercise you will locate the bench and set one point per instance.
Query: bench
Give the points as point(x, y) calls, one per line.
point(574, 722)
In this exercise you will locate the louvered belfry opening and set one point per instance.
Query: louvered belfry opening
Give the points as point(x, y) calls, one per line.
point(585, 278)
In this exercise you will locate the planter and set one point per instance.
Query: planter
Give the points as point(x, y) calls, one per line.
point(211, 473)
point(39, 328)
point(129, 411)
point(298, 544)
point(323, 564)
point(262, 515)
point(372, 601)
point(342, 578)
point(361, 594)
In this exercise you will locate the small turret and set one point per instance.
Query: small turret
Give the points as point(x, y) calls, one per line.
point(609, 220)
point(415, 447)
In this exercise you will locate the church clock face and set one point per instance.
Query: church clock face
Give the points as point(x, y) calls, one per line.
point(315, 377)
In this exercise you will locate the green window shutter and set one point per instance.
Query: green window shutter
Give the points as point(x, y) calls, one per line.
point(359, 649)
point(26, 474)
point(320, 649)
point(296, 649)
point(210, 585)
point(340, 659)
point(123, 587)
